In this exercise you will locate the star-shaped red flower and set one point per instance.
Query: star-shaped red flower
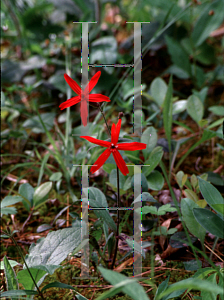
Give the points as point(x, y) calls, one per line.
point(83, 96)
point(113, 147)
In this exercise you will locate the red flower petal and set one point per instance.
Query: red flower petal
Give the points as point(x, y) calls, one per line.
point(70, 102)
point(118, 128)
point(131, 146)
point(93, 81)
point(113, 134)
point(96, 141)
point(120, 163)
point(100, 161)
point(98, 98)
point(76, 88)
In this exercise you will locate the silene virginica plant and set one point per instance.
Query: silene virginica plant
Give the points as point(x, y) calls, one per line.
point(201, 211)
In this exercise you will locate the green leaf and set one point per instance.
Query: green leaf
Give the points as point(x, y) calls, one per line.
point(158, 89)
point(24, 278)
point(155, 181)
point(10, 200)
point(167, 112)
point(152, 161)
point(54, 248)
point(10, 276)
point(191, 195)
point(165, 208)
point(210, 221)
point(56, 176)
point(178, 54)
point(207, 23)
point(149, 137)
point(27, 191)
point(57, 284)
point(187, 206)
point(211, 195)
point(144, 197)
point(179, 106)
point(192, 265)
point(13, 263)
point(217, 110)
point(134, 290)
point(139, 180)
point(195, 108)
point(196, 284)
point(18, 293)
point(41, 192)
point(135, 246)
point(210, 295)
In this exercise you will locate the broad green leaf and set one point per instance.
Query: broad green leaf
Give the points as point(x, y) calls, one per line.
point(187, 206)
point(155, 180)
point(17, 294)
point(167, 112)
point(134, 290)
point(96, 194)
point(54, 248)
point(179, 106)
point(165, 208)
point(101, 213)
point(217, 110)
point(196, 284)
point(192, 265)
point(27, 191)
point(211, 195)
point(207, 23)
point(178, 54)
point(41, 192)
point(8, 211)
point(210, 221)
point(144, 197)
point(139, 181)
point(10, 200)
point(10, 276)
point(158, 89)
point(179, 177)
point(149, 137)
point(195, 108)
point(24, 277)
point(56, 176)
point(152, 161)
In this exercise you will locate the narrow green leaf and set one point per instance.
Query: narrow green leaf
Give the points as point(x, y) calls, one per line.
point(10, 276)
point(134, 290)
point(57, 284)
point(18, 293)
point(45, 159)
point(196, 284)
point(167, 112)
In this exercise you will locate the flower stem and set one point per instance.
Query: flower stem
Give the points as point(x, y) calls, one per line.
point(118, 219)
point(105, 120)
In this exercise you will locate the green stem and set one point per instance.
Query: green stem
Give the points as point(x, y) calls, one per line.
point(118, 219)
point(213, 247)
point(105, 120)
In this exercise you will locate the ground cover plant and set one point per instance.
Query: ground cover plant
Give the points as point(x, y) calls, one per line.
point(175, 159)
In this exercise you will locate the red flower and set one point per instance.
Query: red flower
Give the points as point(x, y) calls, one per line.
point(113, 147)
point(83, 96)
